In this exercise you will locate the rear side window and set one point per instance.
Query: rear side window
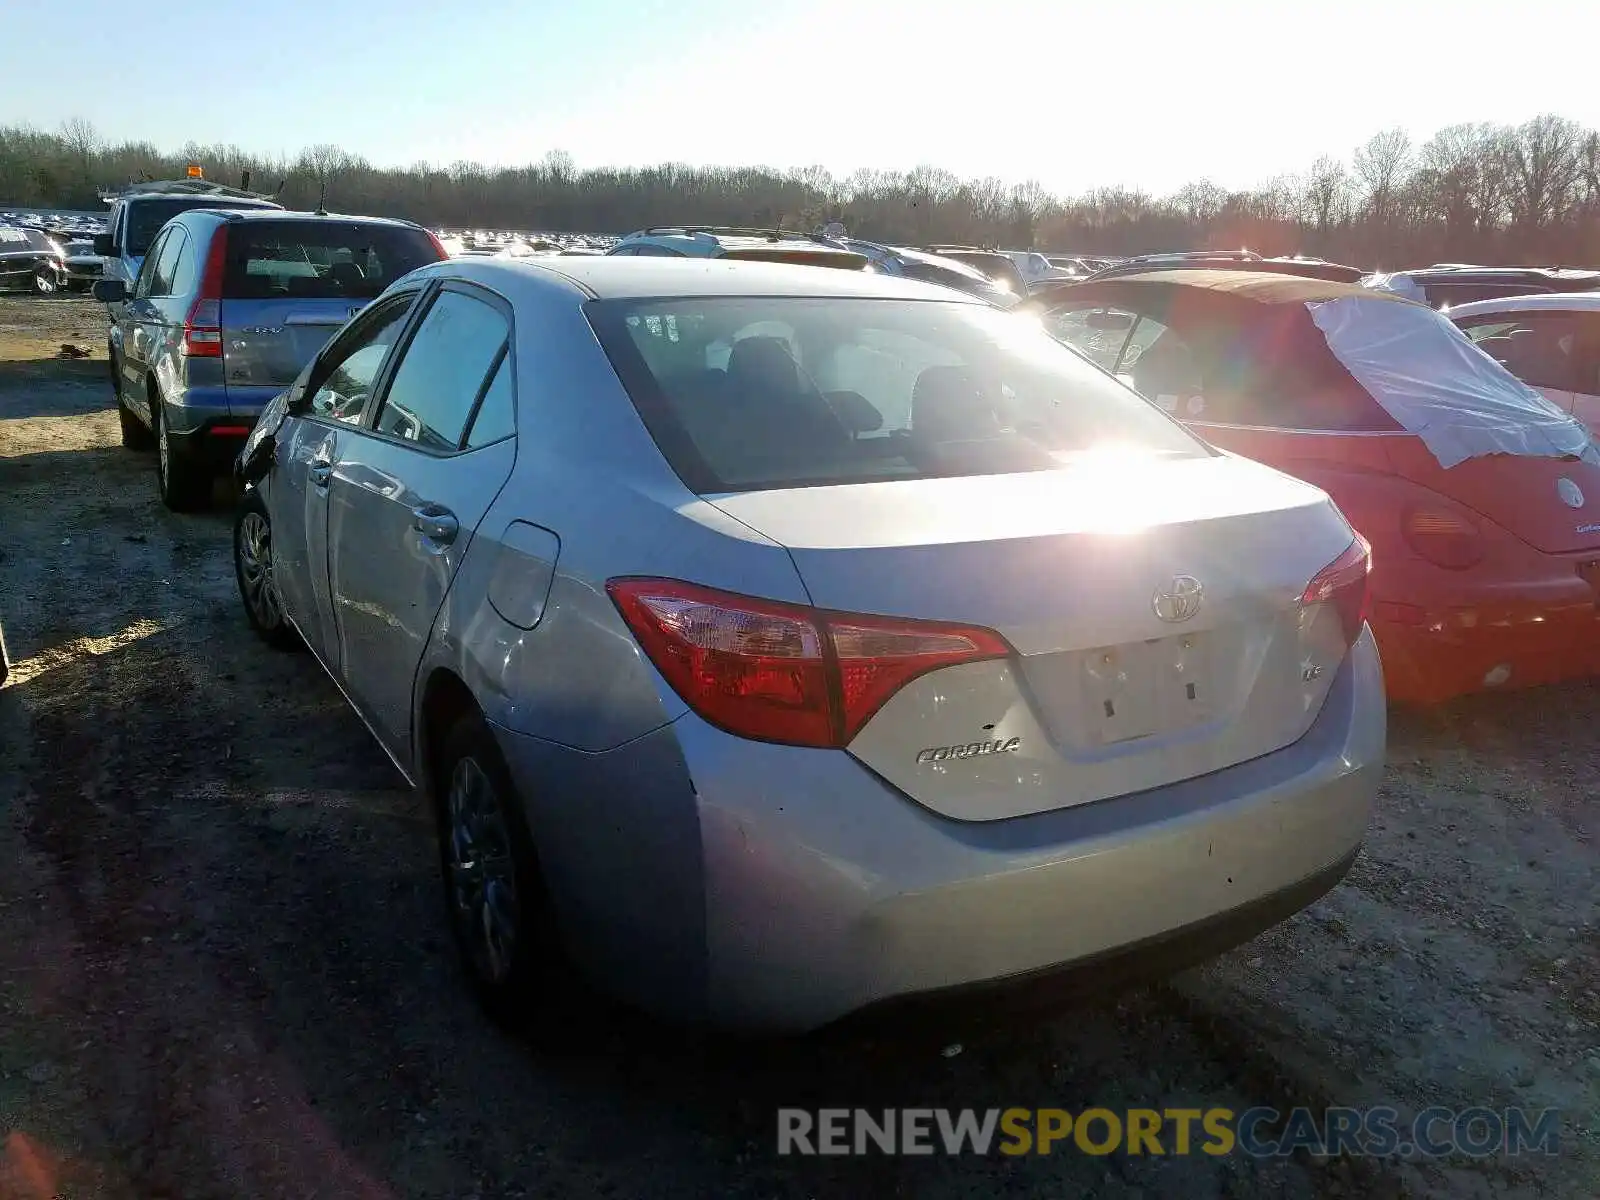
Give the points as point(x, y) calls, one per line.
point(335, 260)
point(1540, 349)
point(744, 393)
point(167, 265)
point(444, 371)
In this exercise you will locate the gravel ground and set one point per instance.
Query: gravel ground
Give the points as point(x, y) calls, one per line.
point(224, 970)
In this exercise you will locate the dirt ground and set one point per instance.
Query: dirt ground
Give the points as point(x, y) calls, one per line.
point(224, 969)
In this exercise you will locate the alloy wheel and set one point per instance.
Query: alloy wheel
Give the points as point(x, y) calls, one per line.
point(483, 884)
point(255, 569)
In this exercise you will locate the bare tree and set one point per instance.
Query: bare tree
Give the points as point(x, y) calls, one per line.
point(1542, 157)
point(1381, 164)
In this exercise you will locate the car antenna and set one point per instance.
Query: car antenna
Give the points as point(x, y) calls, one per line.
point(322, 199)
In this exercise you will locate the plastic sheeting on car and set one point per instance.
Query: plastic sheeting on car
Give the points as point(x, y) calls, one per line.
point(1431, 379)
point(1399, 285)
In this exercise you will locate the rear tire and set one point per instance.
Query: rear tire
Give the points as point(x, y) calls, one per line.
point(135, 435)
point(253, 565)
point(183, 483)
point(495, 899)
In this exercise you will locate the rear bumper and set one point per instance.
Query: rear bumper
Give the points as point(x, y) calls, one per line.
point(1493, 637)
point(210, 425)
point(779, 889)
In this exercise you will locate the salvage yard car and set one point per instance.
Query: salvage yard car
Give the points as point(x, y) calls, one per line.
point(30, 261)
point(227, 307)
point(1481, 499)
point(737, 243)
point(778, 642)
point(1550, 341)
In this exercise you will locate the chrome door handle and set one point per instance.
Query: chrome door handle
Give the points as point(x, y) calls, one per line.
point(435, 523)
point(320, 470)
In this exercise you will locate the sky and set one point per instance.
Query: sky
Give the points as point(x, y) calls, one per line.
point(1149, 94)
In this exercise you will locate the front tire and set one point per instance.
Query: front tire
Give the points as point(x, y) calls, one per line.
point(184, 484)
point(494, 895)
point(253, 567)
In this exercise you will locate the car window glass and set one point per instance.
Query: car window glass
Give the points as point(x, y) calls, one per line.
point(320, 259)
point(651, 250)
point(1097, 333)
point(167, 262)
point(147, 269)
point(1541, 349)
point(344, 389)
point(442, 371)
point(880, 390)
point(496, 418)
point(1161, 365)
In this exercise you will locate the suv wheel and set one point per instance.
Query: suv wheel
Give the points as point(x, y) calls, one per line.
point(44, 281)
point(253, 569)
point(184, 484)
point(494, 895)
point(135, 434)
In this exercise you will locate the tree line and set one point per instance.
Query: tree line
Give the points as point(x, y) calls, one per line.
point(1514, 194)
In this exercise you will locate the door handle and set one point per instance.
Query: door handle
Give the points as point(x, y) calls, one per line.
point(320, 470)
point(435, 523)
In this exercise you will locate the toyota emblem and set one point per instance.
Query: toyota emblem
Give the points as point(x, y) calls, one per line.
point(1571, 494)
point(1178, 600)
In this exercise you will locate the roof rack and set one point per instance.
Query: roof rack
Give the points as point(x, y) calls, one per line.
point(181, 187)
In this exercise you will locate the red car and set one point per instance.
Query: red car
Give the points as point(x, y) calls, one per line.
point(1481, 498)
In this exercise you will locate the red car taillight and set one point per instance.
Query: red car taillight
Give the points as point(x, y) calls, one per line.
point(438, 246)
point(202, 327)
point(1345, 585)
point(1443, 536)
point(786, 672)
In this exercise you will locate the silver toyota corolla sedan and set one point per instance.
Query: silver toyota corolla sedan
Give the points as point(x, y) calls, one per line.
point(777, 642)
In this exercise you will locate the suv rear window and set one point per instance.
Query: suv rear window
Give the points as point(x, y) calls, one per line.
point(320, 259)
point(765, 392)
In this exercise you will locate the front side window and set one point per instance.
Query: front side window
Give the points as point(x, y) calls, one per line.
point(444, 371)
point(351, 373)
point(831, 390)
point(1539, 348)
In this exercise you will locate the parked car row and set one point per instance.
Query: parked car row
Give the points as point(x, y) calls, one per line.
point(776, 642)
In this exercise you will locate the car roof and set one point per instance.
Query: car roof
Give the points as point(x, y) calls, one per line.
point(1257, 286)
point(1559, 301)
point(218, 198)
point(613, 277)
point(284, 214)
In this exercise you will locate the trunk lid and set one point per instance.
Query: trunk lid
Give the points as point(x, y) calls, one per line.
point(267, 341)
point(1105, 695)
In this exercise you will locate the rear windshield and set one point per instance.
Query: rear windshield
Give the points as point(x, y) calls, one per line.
point(335, 260)
point(146, 217)
point(750, 393)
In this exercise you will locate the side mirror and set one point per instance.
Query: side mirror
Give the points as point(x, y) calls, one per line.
point(104, 246)
point(110, 291)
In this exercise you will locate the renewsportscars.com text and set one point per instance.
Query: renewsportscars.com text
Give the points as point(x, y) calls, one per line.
point(1376, 1131)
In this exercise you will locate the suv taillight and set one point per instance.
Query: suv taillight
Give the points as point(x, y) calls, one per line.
point(438, 246)
point(202, 327)
point(1344, 584)
point(781, 672)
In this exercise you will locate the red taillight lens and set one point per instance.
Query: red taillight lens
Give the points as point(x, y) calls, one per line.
point(438, 246)
point(1443, 536)
point(785, 672)
point(202, 328)
point(1345, 584)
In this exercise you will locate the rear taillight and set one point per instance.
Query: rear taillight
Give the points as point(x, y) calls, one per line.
point(786, 672)
point(438, 246)
point(1344, 585)
point(202, 327)
point(1445, 537)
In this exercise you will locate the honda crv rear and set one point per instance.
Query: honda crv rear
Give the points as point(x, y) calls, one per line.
point(226, 309)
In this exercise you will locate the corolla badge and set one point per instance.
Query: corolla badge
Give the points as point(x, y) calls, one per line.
point(1571, 494)
point(1178, 600)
